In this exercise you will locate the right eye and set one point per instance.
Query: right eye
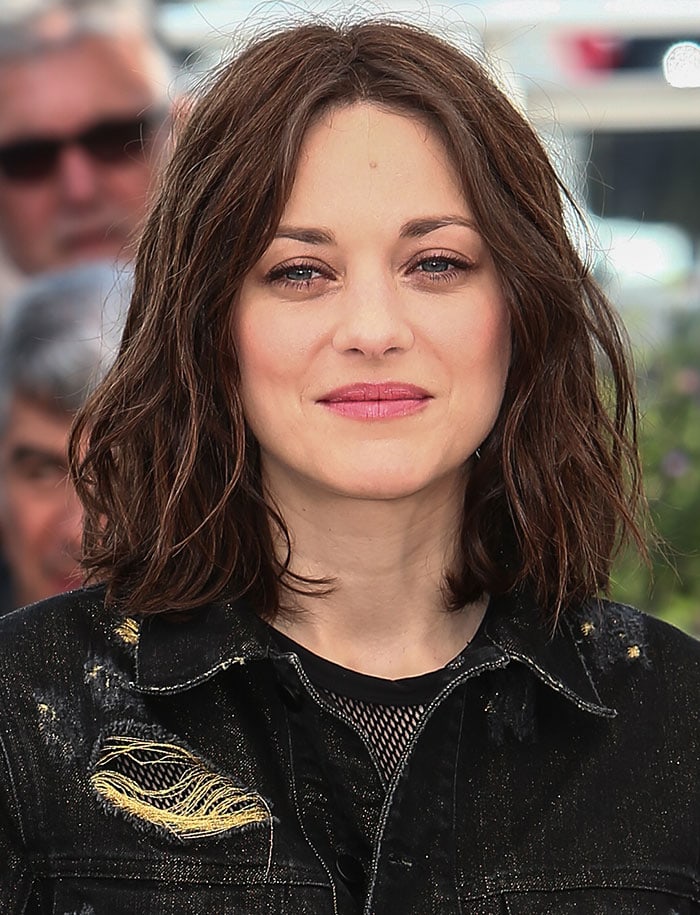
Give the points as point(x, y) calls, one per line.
point(300, 275)
point(41, 471)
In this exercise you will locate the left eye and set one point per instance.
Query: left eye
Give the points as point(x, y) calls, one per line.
point(435, 265)
point(300, 274)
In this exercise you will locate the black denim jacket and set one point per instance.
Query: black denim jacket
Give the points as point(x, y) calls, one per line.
point(174, 768)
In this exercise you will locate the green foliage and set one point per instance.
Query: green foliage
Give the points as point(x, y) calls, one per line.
point(669, 388)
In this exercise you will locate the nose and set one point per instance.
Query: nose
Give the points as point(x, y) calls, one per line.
point(373, 319)
point(77, 175)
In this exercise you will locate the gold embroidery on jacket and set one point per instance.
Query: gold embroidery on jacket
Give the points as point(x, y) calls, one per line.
point(128, 631)
point(169, 787)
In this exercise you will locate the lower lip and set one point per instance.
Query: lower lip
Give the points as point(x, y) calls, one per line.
point(376, 409)
point(91, 242)
point(97, 240)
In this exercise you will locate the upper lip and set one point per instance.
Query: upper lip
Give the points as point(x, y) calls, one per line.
point(385, 390)
point(79, 231)
point(88, 236)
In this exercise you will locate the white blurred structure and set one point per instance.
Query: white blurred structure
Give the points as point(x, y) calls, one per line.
point(536, 49)
point(681, 65)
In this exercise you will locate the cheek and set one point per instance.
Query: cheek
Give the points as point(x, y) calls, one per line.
point(273, 354)
point(257, 352)
point(260, 361)
point(483, 345)
point(264, 376)
point(25, 518)
point(499, 345)
point(129, 184)
point(23, 214)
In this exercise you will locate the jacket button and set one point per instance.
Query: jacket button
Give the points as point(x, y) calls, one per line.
point(349, 869)
point(291, 696)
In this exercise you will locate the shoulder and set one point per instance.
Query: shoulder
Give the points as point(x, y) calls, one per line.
point(635, 659)
point(618, 632)
point(66, 665)
point(57, 625)
point(52, 647)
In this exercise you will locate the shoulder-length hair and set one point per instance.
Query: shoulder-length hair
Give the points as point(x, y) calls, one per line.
point(164, 463)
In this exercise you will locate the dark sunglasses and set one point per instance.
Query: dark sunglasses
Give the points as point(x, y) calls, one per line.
point(110, 141)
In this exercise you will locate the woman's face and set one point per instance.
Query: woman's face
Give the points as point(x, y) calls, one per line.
point(372, 335)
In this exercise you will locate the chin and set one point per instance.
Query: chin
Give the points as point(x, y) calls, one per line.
point(107, 250)
point(394, 486)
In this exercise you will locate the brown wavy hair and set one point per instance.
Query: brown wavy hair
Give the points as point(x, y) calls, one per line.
point(162, 459)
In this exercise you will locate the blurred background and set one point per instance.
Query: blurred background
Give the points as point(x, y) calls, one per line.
point(613, 87)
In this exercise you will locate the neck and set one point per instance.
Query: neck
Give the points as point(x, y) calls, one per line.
point(386, 613)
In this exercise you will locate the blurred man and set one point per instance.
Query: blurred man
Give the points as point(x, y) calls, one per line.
point(83, 102)
point(59, 337)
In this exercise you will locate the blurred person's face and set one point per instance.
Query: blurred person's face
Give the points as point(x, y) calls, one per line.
point(40, 515)
point(84, 199)
point(373, 336)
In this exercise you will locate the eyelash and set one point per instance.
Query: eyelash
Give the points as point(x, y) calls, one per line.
point(456, 264)
point(278, 275)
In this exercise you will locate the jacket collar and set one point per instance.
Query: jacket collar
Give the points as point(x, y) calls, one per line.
point(514, 624)
point(173, 656)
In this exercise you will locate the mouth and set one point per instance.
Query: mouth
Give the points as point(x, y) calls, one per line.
point(100, 233)
point(386, 400)
point(87, 239)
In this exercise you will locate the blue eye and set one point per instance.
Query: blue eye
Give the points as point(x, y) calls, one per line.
point(296, 276)
point(299, 274)
point(435, 265)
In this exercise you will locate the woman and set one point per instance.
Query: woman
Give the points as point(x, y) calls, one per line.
point(353, 488)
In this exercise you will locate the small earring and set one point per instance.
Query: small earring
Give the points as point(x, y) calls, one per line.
point(477, 453)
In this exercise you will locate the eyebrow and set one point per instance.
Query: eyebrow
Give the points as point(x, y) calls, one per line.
point(22, 453)
point(414, 228)
point(308, 236)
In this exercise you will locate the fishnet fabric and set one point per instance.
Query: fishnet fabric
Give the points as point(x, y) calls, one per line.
point(150, 774)
point(388, 728)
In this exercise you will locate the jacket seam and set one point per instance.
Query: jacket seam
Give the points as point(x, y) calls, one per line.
point(293, 785)
point(393, 784)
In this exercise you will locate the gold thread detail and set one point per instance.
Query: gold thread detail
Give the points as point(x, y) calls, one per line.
point(633, 652)
point(587, 627)
point(198, 804)
point(128, 631)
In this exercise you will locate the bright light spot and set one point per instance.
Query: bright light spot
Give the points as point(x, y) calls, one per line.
point(681, 65)
point(643, 254)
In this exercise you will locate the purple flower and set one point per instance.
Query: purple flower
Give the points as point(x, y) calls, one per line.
point(675, 464)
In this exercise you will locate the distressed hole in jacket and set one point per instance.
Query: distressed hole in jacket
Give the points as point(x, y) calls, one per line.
point(167, 786)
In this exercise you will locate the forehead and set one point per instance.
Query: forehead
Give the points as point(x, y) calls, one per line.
point(371, 157)
point(31, 422)
point(65, 88)
point(372, 125)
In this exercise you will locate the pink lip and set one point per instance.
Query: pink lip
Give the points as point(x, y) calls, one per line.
point(88, 239)
point(376, 401)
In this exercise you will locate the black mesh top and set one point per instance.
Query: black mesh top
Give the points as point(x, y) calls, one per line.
point(387, 712)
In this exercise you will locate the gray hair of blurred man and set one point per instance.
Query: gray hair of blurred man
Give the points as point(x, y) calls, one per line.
point(30, 27)
point(60, 335)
